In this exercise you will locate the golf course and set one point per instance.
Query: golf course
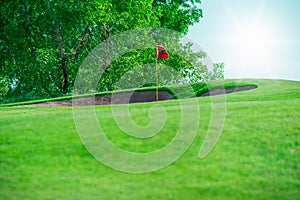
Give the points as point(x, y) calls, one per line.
point(257, 155)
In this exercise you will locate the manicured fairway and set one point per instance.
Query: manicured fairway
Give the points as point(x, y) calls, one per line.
point(256, 157)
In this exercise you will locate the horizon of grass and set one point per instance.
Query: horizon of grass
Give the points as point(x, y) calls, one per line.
point(257, 155)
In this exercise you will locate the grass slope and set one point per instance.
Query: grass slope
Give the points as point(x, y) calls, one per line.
point(256, 157)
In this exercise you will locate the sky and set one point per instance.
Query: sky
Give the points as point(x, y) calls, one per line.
point(254, 38)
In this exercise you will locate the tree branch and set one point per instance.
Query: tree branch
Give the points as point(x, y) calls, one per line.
point(82, 40)
point(59, 43)
point(63, 60)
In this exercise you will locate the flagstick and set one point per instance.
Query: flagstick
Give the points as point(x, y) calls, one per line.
point(156, 81)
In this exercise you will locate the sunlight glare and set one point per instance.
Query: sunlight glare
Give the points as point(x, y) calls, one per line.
point(252, 44)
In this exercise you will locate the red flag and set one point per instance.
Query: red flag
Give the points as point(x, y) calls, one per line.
point(161, 52)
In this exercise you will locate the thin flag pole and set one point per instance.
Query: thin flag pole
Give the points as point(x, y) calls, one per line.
point(161, 52)
point(156, 75)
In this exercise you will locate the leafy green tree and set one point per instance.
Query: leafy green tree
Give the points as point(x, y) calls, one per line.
point(178, 15)
point(43, 43)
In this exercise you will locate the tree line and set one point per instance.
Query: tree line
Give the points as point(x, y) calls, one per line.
point(44, 42)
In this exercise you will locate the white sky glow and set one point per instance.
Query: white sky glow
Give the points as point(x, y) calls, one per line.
point(254, 38)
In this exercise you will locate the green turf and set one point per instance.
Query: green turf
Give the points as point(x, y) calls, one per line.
point(256, 157)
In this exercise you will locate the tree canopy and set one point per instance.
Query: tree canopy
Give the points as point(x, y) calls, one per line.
point(43, 43)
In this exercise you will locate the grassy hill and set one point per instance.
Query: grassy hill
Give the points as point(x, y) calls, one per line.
point(256, 157)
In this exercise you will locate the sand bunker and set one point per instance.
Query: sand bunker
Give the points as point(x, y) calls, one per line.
point(217, 91)
point(135, 97)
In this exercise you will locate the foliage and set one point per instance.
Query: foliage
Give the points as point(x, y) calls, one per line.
point(3, 88)
point(44, 43)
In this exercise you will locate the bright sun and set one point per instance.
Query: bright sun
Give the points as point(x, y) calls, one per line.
point(252, 44)
point(252, 38)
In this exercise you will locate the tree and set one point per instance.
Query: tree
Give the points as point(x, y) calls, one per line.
point(44, 43)
point(178, 15)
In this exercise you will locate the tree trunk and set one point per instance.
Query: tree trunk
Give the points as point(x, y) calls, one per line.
point(65, 72)
point(63, 61)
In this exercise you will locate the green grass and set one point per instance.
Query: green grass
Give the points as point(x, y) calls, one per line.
point(256, 157)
